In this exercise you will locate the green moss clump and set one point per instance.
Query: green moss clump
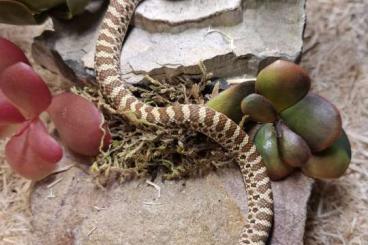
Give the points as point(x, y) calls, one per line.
point(147, 150)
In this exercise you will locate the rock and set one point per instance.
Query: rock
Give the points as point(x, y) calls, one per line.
point(177, 16)
point(172, 37)
point(208, 210)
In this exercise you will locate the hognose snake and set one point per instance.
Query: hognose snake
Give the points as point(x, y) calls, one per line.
point(199, 118)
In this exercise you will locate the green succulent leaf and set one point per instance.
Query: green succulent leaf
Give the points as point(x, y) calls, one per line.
point(41, 5)
point(267, 146)
point(70, 9)
point(283, 83)
point(293, 149)
point(30, 12)
point(228, 102)
point(330, 163)
point(17, 13)
point(316, 120)
point(258, 108)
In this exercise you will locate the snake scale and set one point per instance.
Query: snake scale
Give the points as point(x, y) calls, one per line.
point(195, 117)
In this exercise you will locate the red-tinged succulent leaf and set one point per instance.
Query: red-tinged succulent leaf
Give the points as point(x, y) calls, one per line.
point(32, 152)
point(293, 149)
point(78, 123)
point(25, 89)
point(332, 162)
point(8, 113)
point(316, 120)
point(283, 83)
point(10, 54)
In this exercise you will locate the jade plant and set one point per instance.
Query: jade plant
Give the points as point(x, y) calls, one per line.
point(294, 128)
point(26, 12)
point(31, 151)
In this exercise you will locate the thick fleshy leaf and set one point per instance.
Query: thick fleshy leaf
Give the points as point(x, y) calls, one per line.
point(41, 5)
point(267, 146)
point(10, 54)
point(25, 89)
point(32, 152)
point(283, 83)
point(74, 7)
point(8, 113)
point(78, 122)
point(330, 163)
point(228, 101)
point(258, 108)
point(316, 120)
point(293, 149)
point(10, 117)
point(30, 12)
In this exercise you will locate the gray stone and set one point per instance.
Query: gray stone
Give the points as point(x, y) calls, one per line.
point(267, 30)
point(209, 210)
point(175, 16)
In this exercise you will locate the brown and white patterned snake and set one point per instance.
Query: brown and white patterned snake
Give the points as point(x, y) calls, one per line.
point(199, 118)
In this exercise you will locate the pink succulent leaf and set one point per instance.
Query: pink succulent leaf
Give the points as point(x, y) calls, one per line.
point(25, 89)
point(32, 152)
point(10, 54)
point(8, 113)
point(78, 123)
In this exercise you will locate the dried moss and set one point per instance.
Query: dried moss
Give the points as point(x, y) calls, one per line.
point(140, 150)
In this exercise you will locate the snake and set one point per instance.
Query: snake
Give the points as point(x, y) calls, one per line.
point(199, 118)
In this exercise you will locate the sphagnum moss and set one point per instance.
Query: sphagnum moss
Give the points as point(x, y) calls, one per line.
point(139, 149)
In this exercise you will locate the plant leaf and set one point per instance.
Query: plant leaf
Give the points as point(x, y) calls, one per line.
point(78, 122)
point(25, 89)
point(41, 5)
point(16, 13)
point(32, 152)
point(10, 53)
point(8, 113)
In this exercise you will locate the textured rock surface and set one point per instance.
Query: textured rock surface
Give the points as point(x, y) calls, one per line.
point(208, 210)
point(247, 36)
point(174, 16)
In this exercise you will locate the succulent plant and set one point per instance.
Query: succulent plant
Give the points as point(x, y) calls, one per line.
point(267, 145)
point(258, 108)
point(228, 101)
point(28, 12)
point(31, 98)
point(293, 149)
point(71, 113)
point(316, 120)
point(283, 83)
point(330, 163)
point(31, 151)
point(294, 127)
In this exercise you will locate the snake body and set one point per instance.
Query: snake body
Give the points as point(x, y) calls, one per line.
point(199, 118)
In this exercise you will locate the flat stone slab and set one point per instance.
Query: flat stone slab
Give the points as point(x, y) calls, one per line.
point(265, 31)
point(207, 211)
point(175, 16)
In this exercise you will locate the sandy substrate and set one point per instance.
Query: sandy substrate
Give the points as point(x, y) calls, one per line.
point(336, 51)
